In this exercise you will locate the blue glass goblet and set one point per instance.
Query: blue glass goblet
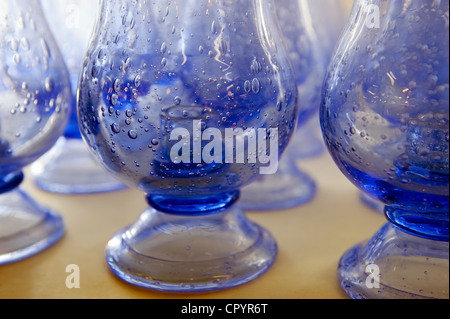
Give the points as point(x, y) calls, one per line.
point(385, 120)
point(311, 29)
point(34, 109)
point(69, 167)
point(188, 101)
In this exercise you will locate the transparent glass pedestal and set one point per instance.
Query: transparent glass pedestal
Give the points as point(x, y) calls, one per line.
point(70, 168)
point(176, 253)
point(394, 264)
point(288, 188)
point(307, 141)
point(26, 228)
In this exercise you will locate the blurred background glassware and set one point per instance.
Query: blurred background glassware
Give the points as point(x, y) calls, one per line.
point(385, 120)
point(155, 68)
point(373, 203)
point(311, 29)
point(34, 110)
point(69, 167)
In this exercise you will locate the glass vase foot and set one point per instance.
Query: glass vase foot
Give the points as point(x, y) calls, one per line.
point(176, 253)
point(69, 168)
point(26, 228)
point(394, 264)
point(288, 188)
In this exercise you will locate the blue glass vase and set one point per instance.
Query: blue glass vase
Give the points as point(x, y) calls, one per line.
point(311, 29)
point(34, 110)
point(188, 101)
point(69, 167)
point(385, 120)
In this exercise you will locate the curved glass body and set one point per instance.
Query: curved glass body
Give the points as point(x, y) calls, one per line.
point(186, 100)
point(311, 29)
point(69, 167)
point(33, 86)
point(34, 109)
point(72, 22)
point(385, 115)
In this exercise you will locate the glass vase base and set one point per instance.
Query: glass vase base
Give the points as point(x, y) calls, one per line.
point(174, 253)
point(26, 228)
point(69, 168)
point(283, 190)
point(396, 265)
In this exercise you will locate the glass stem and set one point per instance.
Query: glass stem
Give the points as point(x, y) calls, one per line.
point(192, 206)
point(434, 226)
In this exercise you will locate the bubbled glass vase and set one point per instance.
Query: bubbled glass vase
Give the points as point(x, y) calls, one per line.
point(188, 101)
point(69, 167)
point(34, 110)
point(311, 29)
point(385, 120)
